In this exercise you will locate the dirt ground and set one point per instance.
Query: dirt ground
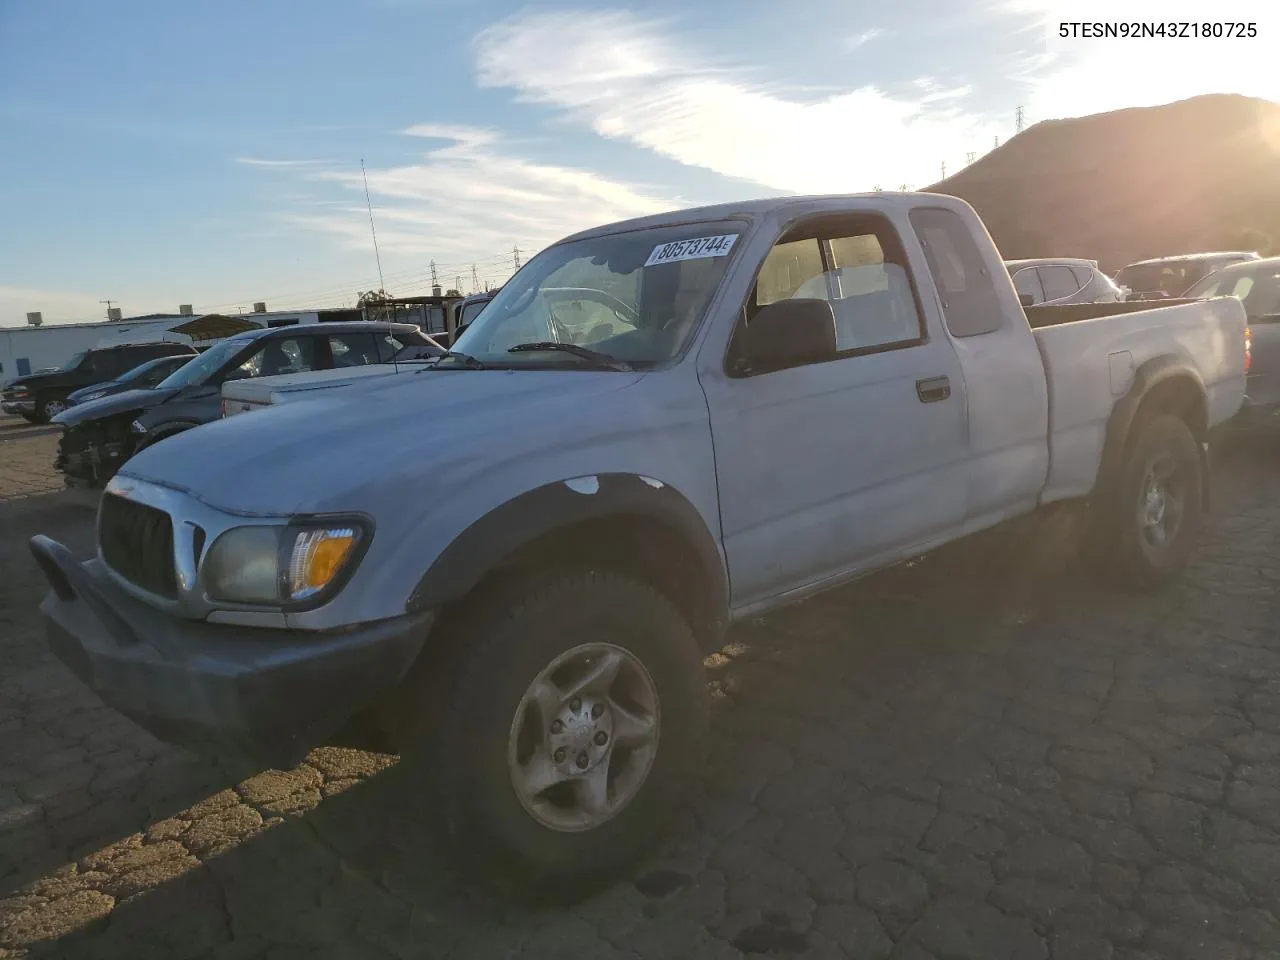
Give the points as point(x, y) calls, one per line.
point(982, 755)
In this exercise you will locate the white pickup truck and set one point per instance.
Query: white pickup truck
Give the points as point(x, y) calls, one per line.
point(769, 399)
point(240, 396)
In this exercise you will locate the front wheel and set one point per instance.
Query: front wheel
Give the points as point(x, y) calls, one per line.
point(49, 408)
point(1160, 504)
point(573, 722)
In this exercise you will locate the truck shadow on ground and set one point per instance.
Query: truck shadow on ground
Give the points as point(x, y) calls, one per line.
point(868, 690)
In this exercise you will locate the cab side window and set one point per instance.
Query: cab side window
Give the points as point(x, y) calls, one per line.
point(858, 265)
point(1027, 282)
point(278, 356)
point(353, 349)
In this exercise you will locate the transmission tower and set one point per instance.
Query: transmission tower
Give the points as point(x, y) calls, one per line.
point(970, 157)
point(475, 280)
point(997, 142)
point(435, 280)
point(515, 255)
point(1020, 119)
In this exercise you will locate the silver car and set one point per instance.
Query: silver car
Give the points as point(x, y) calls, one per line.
point(1059, 280)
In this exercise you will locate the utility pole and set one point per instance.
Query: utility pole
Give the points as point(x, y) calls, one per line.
point(515, 255)
point(944, 169)
point(970, 157)
point(1020, 119)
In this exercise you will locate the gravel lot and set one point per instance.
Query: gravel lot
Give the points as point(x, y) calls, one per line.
point(978, 756)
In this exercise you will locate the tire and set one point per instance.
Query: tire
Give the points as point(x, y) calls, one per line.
point(489, 730)
point(1140, 559)
point(49, 408)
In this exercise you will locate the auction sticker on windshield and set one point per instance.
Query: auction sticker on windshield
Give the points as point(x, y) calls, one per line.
point(696, 248)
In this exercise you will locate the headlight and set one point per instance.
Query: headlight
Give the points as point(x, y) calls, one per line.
point(138, 427)
point(280, 564)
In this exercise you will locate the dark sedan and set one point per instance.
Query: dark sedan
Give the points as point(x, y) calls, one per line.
point(142, 377)
point(1256, 284)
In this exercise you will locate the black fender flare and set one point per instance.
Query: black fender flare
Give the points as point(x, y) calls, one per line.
point(490, 540)
point(1124, 415)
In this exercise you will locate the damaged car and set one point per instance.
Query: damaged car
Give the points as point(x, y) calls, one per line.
point(101, 435)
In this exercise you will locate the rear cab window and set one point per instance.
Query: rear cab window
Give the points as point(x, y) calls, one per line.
point(970, 306)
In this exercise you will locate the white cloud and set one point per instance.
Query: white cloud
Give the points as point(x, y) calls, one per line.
point(469, 198)
point(863, 38)
point(631, 79)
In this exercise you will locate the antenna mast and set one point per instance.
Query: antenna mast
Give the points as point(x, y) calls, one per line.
point(372, 229)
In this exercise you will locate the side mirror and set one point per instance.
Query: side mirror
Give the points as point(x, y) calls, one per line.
point(1027, 299)
point(789, 333)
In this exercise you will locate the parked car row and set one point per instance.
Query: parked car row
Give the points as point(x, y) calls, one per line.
point(39, 397)
point(514, 561)
point(102, 433)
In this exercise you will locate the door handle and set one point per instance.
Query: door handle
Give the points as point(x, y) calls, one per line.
point(933, 389)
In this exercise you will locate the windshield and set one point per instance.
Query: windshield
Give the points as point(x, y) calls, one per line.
point(143, 369)
point(635, 297)
point(73, 362)
point(1259, 290)
point(205, 365)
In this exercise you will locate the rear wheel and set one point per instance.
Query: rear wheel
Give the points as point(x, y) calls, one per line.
point(1159, 504)
point(573, 721)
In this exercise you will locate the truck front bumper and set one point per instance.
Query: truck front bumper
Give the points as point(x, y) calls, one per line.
point(23, 408)
point(250, 694)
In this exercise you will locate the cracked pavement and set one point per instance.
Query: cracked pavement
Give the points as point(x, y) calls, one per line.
point(977, 756)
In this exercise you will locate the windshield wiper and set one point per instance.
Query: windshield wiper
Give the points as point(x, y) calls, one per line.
point(466, 361)
point(602, 360)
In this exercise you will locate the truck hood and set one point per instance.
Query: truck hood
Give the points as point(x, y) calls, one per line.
point(112, 405)
point(321, 454)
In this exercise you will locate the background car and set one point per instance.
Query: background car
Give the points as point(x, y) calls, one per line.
point(1167, 277)
point(100, 435)
point(1256, 283)
point(141, 377)
point(1059, 280)
point(39, 397)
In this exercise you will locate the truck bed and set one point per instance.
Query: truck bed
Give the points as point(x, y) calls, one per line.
point(1091, 353)
point(1054, 314)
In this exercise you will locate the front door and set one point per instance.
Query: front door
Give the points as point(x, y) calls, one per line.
point(830, 467)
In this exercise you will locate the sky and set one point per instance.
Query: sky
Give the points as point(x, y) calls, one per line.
point(155, 153)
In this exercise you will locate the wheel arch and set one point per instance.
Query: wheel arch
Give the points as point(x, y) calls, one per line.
point(616, 521)
point(1163, 385)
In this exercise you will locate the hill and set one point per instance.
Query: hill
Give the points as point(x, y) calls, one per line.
point(1199, 174)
